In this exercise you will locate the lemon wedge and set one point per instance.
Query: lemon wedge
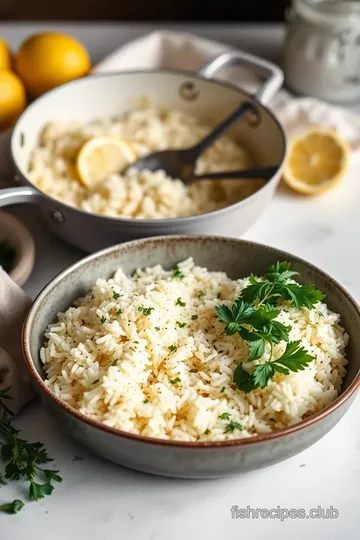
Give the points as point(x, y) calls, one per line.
point(101, 156)
point(317, 160)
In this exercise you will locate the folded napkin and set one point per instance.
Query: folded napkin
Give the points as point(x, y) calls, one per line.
point(169, 50)
point(13, 374)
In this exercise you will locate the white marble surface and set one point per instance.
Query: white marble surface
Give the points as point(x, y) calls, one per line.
point(99, 500)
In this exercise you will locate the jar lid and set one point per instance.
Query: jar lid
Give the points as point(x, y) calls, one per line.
point(329, 12)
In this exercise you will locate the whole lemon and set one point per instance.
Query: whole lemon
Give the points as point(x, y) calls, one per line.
point(12, 98)
point(5, 55)
point(47, 60)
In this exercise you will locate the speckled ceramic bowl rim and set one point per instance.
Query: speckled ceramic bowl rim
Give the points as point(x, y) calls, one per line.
point(37, 379)
point(145, 223)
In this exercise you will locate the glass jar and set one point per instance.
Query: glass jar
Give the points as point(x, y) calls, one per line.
point(322, 49)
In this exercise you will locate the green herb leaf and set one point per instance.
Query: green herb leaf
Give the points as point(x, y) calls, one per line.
point(146, 311)
point(206, 432)
point(295, 358)
point(262, 374)
point(256, 349)
point(2, 479)
point(39, 491)
point(180, 303)
point(175, 381)
point(231, 328)
point(52, 475)
point(146, 401)
point(277, 331)
point(275, 287)
point(116, 295)
point(280, 271)
point(119, 312)
point(301, 295)
point(23, 459)
point(232, 426)
point(157, 328)
point(172, 348)
point(180, 324)
point(194, 317)
point(177, 274)
point(13, 507)
point(224, 416)
point(257, 291)
point(103, 319)
point(115, 362)
point(243, 379)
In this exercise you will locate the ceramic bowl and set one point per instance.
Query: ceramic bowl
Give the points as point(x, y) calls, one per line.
point(237, 258)
point(18, 236)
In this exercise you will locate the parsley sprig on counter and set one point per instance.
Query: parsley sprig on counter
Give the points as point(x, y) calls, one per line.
point(23, 460)
point(253, 316)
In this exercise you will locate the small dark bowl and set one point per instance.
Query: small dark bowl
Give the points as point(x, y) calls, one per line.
point(237, 258)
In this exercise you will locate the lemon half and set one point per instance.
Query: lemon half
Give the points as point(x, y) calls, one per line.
point(101, 156)
point(317, 160)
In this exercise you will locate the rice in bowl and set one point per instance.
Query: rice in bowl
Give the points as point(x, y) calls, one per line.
point(147, 354)
point(146, 194)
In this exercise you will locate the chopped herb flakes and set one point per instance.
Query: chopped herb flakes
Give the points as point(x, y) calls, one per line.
point(207, 431)
point(172, 348)
point(177, 274)
point(194, 317)
point(119, 312)
point(157, 328)
point(223, 389)
point(116, 295)
point(232, 426)
point(146, 311)
point(224, 416)
point(180, 303)
point(175, 381)
point(115, 362)
point(180, 324)
point(146, 401)
point(103, 319)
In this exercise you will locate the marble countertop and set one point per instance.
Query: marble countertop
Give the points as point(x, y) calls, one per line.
point(100, 500)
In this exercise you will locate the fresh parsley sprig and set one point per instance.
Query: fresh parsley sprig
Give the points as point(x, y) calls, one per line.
point(254, 325)
point(295, 358)
point(23, 460)
point(275, 288)
point(253, 316)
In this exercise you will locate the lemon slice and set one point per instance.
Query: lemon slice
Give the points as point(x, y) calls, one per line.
point(317, 160)
point(101, 156)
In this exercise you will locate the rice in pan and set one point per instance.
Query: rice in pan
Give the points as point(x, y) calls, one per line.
point(145, 194)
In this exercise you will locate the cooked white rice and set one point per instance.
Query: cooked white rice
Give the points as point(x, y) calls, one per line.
point(145, 195)
point(168, 371)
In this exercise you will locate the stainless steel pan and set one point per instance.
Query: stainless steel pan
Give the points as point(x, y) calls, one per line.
point(106, 95)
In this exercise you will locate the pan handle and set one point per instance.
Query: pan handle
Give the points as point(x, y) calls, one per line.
point(23, 194)
point(274, 76)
